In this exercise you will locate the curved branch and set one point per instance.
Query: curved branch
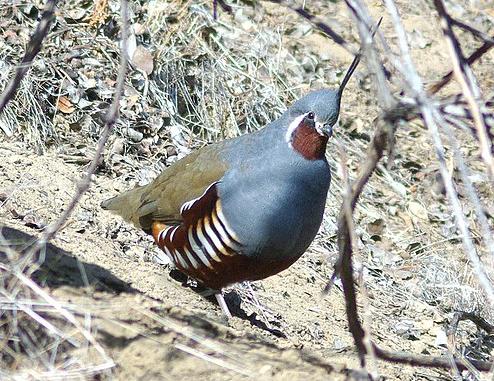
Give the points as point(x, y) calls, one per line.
point(111, 118)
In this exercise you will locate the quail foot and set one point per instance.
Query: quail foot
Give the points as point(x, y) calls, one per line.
point(244, 208)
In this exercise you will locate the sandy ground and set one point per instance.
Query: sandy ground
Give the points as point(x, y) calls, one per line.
point(150, 324)
point(154, 325)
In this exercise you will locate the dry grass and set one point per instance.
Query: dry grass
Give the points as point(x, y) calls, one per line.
point(215, 79)
point(37, 330)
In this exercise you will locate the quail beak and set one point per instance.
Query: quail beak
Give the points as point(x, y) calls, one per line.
point(324, 129)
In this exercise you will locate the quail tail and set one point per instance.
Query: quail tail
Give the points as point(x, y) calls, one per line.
point(128, 205)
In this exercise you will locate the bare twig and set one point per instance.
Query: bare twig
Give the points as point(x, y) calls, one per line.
point(471, 193)
point(195, 336)
point(433, 89)
point(428, 361)
point(367, 326)
point(33, 48)
point(111, 118)
point(383, 137)
point(227, 8)
point(19, 281)
point(58, 307)
point(471, 29)
point(350, 239)
point(374, 63)
point(427, 115)
point(319, 24)
point(425, 108)
point(300, 10)
point(465, 77)
point(474, 318)
point(357, 58)
point(375, 153)
point(346, 208)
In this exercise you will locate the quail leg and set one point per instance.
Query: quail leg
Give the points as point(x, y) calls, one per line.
point(222, 303)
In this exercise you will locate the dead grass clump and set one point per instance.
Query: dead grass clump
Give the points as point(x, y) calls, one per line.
point(37, 332)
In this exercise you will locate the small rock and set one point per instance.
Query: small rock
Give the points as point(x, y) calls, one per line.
point(136, 252)
point(417, 39)
point(30, 220)
point(117, 147)
point(407, 329)
point(339, 345)
point(171, 151)
point(376, 227)
point(142, 59)
point(417, 210)
point(441, 338)
point(139, 29)
point(134, 135)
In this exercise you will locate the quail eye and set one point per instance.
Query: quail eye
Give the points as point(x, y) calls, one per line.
point(311, 115)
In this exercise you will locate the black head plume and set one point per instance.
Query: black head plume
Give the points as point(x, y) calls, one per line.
point(355, 63)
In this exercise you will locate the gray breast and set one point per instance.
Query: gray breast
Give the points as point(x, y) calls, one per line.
point(273, 198)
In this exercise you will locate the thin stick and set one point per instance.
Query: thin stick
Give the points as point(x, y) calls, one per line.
point(464, 76)
point(213, 360)
point(471, 29)
point(383, 137)
point(373, 61)
point(425, 108)
point(375, 153)
point(223, 5)
point(300, 10)
point(472, 195)
point(353, 239)
point(111, 118)
point(33, 48)
point(433, 89)
point(58, 307)
point(427, 361)
point(319, 24)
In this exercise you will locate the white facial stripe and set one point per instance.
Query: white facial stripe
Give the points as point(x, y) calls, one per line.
point(293, 126)
point(197, 250)
point(320, 128)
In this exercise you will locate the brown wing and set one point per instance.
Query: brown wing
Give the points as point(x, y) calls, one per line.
point(162, 199)
point(202, 244)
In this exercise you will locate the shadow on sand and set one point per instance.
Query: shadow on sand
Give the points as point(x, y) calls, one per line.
point(58, 267)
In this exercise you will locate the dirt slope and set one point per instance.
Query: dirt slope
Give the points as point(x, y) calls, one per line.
point(209, 80)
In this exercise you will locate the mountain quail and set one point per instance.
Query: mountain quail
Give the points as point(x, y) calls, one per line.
point(245, 208)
